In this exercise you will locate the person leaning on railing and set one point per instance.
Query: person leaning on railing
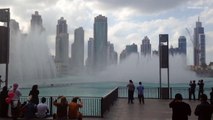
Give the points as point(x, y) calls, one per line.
point(74, 109)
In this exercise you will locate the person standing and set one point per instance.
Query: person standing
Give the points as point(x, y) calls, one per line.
point(74, 107)
point(211, 97)
point(204, 110)
point(34, 94)
point(192, 89)
point(3, 104)
point(140, 89)
point(201, 88)
point(180, 109)
point(131, 89)
point(15, 101)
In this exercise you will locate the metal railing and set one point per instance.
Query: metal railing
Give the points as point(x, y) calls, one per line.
point(97, 106)
point(153, 92)
point(92, 106)
point(108, 100)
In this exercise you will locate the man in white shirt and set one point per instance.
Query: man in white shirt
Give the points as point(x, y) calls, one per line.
point(42, 109)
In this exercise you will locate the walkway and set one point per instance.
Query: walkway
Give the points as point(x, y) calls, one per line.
point(153, 109)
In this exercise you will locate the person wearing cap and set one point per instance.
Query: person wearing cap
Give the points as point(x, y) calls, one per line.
point(180, 109)
point(204, 110)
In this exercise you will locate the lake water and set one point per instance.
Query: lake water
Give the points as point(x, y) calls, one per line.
point(91, 88)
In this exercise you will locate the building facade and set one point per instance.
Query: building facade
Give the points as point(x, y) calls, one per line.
point(62, 45)
point(77, 52)
point(36, 22)
point(182, 45)
point(146, 46)
point(90, 57)
point(100, 42)
point(130, 49)
point(199, 45)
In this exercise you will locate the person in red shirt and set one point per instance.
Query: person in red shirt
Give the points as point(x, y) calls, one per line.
point(74, 107)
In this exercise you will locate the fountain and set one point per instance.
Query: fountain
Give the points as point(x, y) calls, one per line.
point(30, 61)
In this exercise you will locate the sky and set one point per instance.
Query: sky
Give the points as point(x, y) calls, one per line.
point(129, 21)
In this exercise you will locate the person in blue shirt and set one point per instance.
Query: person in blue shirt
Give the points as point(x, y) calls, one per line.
point(140, 89)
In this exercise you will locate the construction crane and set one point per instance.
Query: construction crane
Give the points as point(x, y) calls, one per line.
point(195, 45)
point(190, 37)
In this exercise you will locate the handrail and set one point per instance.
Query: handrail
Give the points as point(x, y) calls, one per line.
point(108, 100)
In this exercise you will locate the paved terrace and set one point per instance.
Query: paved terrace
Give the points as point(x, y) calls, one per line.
point(153, 109)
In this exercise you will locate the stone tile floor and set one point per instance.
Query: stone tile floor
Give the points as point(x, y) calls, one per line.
point(153, 109)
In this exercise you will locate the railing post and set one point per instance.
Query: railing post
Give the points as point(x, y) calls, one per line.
point(51, 105)
point(102, 107)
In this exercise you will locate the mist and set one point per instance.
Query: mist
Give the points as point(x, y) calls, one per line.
point(146, 69)
point(30, 61)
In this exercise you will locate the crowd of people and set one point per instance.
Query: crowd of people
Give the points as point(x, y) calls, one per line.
point(181, 110)
point(11, 106)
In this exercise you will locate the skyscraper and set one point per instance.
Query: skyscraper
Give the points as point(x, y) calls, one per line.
point(199, 44)
point(146, 46)
point(77, 52)
point(100, 42)
point(130, 49)
point(90, 52)
point(112, 56)
point(182, 45)
point(36, 22)
point(62, 43)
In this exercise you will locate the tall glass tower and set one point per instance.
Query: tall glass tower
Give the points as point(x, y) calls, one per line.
point(146, 46)
point(36, 22)
point(199, 44)
point(182, 45)
point(62, 42)
point(90, 53)
point(100, 42)
point(77, 52)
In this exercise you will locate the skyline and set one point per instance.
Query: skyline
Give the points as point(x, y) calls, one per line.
point(128, 22)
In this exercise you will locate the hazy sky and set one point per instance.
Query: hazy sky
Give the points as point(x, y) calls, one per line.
point(129, 21)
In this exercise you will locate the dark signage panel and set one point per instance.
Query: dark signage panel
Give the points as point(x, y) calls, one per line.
point(4, 44)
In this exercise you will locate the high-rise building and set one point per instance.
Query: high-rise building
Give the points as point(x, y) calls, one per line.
point(14, 26)
point(36, 22)
point(130, 49)
point(146, 46)
point(100, 42)
point(62, 44)
point(182, 45)
point(112, 56)
point(90, 53)
point(77, 52)
point(199, 44)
